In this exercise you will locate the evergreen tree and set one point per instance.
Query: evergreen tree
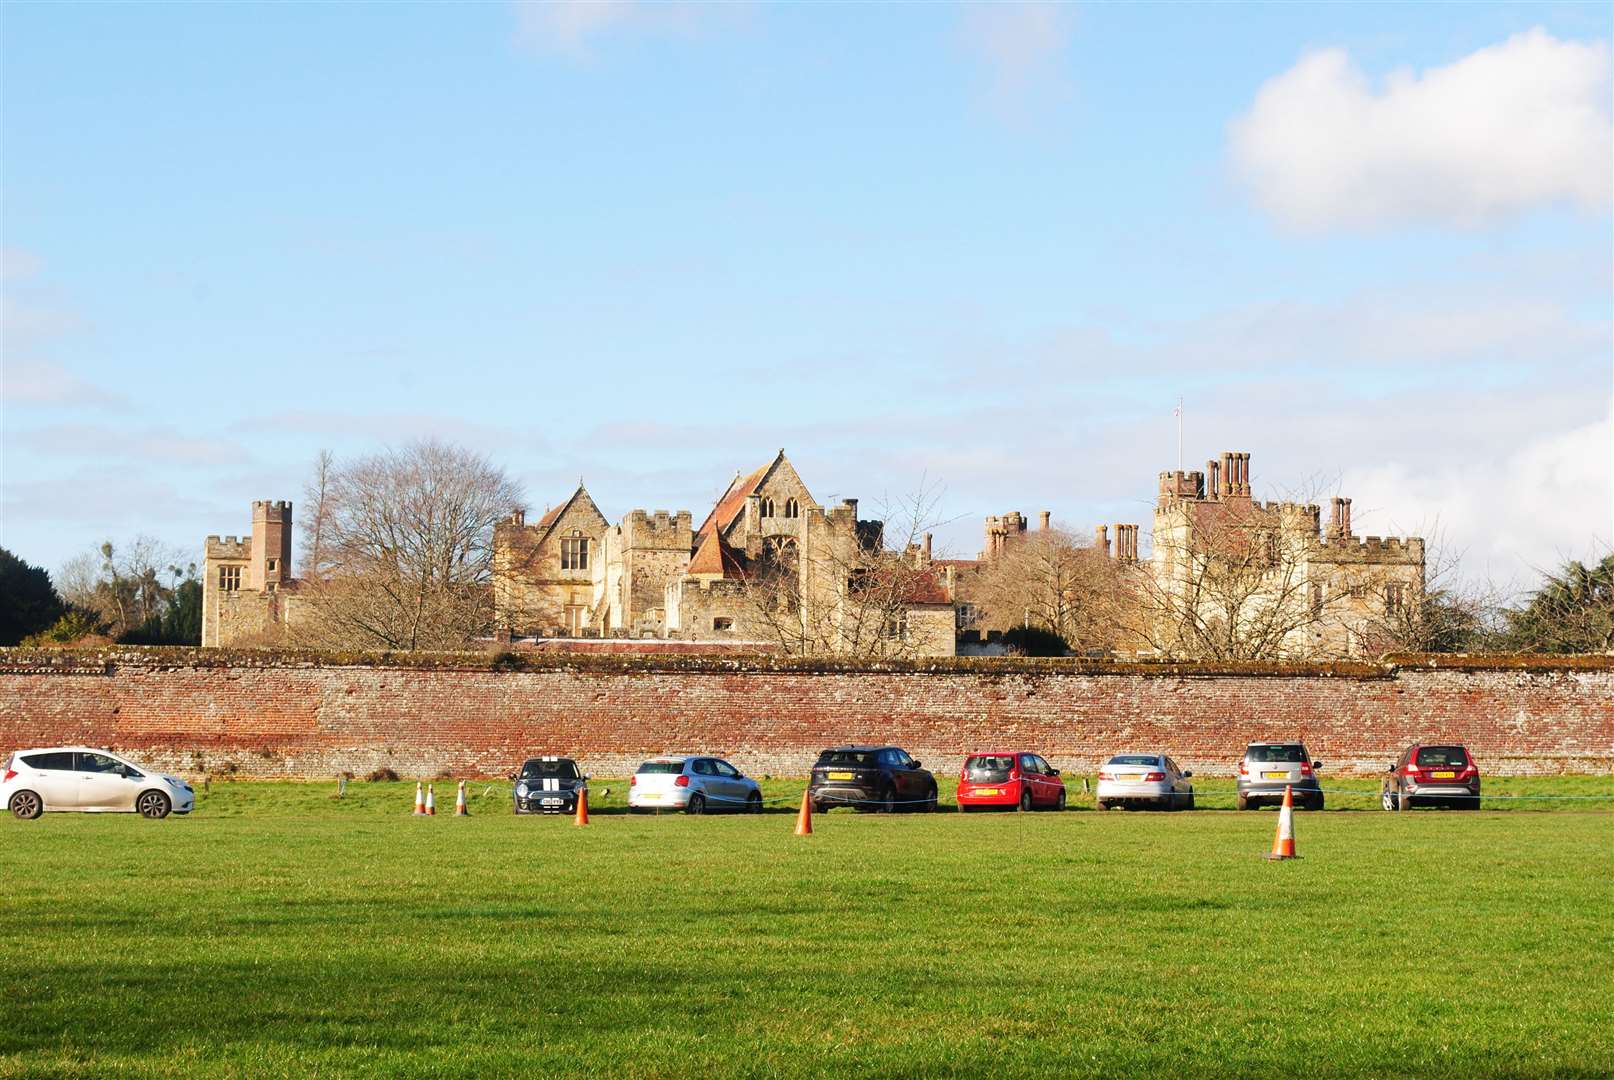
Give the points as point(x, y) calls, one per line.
point(28, 602)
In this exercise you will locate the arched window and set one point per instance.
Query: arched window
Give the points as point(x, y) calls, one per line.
point(767, 508)
point(792, 508)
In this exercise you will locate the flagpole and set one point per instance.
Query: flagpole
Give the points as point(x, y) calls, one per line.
point(1178, 411)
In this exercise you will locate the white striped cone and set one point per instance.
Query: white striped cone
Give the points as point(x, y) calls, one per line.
point(431, 802)
point(420, 800)
point(1283, 843)
point(459, 803)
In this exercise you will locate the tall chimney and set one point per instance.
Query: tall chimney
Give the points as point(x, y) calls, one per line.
point(1244, 474)
point(1345, 517)
point(1336, 518)
point(1101, 539)
point(927, 547)
point(1042, 520)
point(1213, 479)
point(1227, 473)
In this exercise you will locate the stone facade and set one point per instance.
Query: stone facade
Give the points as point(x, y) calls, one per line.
point(248, 592)
point(266, 714)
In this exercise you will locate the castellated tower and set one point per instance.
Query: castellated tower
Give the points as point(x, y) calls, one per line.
point(271, 545)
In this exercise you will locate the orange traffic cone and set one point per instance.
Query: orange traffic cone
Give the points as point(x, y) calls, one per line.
point(420, 800)
point(804, 820)
point(582, 806)
point(431, 802)
point(1283, 844)
point(460, 809)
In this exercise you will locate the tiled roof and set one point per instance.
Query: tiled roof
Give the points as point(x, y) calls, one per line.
point(715, 558)
point(733, 501)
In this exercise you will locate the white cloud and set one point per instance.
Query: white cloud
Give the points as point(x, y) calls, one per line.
point(38, 382)
point(1510, 127)
point(572, 26)
point(1021, 46)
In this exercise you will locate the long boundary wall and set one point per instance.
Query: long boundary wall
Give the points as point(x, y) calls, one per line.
point(275, 714)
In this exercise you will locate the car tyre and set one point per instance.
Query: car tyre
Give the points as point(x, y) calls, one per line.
point(931, 802)
point(753, 803)
point(1102, 805)
point(153, 804)
point(1025, 799)
point(1403, 802)
point(1387, 799)
point(1059, 803)
point(26, 806)
point(888, 801)
point(696, 804)
point(1244, 801)
point(1315, 802)
point(1190, 804)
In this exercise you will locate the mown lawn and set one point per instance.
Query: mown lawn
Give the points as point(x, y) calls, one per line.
point(280, 932)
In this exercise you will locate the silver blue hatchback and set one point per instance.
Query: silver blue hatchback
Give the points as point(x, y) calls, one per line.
point(695, 785)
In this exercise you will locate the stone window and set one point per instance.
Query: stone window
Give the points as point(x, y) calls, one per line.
point(767, 508)
point(1316, 600)
point(272, 564)
point(967, 615)
point(792, 508)
point(896, 626)
point(1394, 597)
point(722, 623)
point(229, 578)
point(574, 553)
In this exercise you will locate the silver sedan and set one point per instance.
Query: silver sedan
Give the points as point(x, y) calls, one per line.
point(1144, 780)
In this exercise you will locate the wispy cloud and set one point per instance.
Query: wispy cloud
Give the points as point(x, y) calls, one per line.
point(575, 27)
point(1507, 128)
point(1022, 49)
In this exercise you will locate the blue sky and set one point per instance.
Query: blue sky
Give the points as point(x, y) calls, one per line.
point(983, 248)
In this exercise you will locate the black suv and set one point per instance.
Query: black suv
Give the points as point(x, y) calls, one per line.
point(548, 785)
point(871, 778)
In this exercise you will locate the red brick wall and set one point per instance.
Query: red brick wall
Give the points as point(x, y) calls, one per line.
point(269, 715)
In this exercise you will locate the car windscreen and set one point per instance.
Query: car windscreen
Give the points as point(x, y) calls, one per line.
point(1442, 755)
point(1277, 752)
point(544, 770)
point(989, 767)
point(864, 758)
point(1134, 759)
point(661, 767)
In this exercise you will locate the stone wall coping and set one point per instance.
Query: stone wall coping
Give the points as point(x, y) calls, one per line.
point(103, 660)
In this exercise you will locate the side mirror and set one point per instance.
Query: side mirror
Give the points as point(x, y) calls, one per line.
point(1053, 772)
point(1316, 764)
point(917, 764)
point(512, 776)
point(1187, 774)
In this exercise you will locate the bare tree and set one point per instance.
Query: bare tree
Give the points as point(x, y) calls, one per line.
point(316, 498)
point(855, 589)
point(404, 549)
point(1049, 580)
point(127, 585)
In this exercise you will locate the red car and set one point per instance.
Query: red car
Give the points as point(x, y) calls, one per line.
point(1009, 778)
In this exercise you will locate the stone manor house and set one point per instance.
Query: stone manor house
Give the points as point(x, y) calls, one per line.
point(770, 567)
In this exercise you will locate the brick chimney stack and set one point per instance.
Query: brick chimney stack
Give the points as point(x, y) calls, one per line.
point(1213, 479)
point(1042, 520)
point(1101, 539)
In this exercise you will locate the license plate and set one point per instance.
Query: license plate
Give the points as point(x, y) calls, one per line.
point(1274, 776)
point(839, 775)
point(552, 802)
point(987, 791)
point(649, 795)
point(1138, 779)
point(1445, 776)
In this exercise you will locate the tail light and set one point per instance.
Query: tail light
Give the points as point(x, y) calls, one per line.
point(1305, 768)
point(682, 781)
point(1244, 770)
point(10, 772)
point(1468, 770)
point(1102, 775)
point(1150, 778)
point(1411, 769)
point(633, 781)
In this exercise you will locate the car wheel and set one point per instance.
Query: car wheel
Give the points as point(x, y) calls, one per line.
point(753, 803)
point(1403, 802)
point(1025, 800)
point(1059, 803)
point(1315, 802)
point(930, 802)
point(1387, 799)
point(1244, 801)
point(26, 805)
point(696, 804)
point(888, 801)
point(153, 804)
point(963, 809)
point(1190, 804)
point(1102, 805)
point(820, 808)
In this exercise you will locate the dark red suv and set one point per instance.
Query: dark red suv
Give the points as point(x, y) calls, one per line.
point(1432, 774)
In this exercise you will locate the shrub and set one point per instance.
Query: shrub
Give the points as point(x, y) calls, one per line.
point(382, 774)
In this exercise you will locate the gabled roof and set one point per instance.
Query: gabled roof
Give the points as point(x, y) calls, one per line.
point(550, 519)
point(733, 500)
point(714, 558)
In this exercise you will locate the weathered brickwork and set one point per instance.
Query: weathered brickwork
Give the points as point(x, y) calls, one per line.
point(271, 715)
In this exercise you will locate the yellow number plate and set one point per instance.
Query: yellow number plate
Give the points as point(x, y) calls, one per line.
point(1445, 776)
point(1274, 775)
point(650, 795)
point(839, 775)
point(1141, 778)
point(987, 791)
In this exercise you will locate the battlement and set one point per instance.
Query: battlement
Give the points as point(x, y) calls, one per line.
point(1389, 549)
point(1178, 484)
point(661, 529)
point(228, 547)
point(271, 510)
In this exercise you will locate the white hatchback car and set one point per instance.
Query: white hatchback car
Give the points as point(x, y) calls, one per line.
point(1144, 780)
point(695, 785)
point(85, 779)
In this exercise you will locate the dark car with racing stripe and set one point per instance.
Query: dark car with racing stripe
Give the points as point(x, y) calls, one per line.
point(871, 778)
point(548, 785)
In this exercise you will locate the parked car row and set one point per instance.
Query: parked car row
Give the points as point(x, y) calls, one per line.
point(863, 777)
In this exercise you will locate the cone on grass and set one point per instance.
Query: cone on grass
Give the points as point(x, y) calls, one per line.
point(460, 809)
point(1283, 843)
point(420, 800)
point(582, 806)
point(431, 802)
point(804, 820)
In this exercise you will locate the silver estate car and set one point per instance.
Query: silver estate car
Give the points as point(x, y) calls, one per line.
point(1128, 780)
point(696, 785)
point(1267, 768)
point(95, 781)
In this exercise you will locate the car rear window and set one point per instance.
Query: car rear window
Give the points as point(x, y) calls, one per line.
point(865, 758)
point(543, 770)
point(1276, 752)
point(662, 767)
point(989, 767)
point(60, 762)
point(1134, 759)
point(1442, 755)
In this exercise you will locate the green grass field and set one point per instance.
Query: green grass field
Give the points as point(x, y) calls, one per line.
point(278, 931)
